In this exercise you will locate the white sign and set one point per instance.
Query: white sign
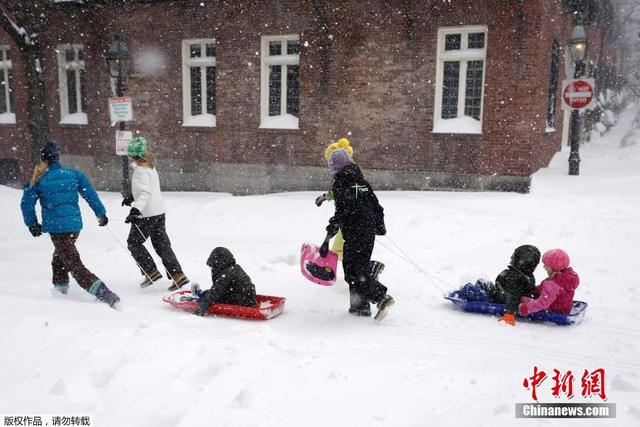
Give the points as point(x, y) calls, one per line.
point(120, 109)
point(123, 138)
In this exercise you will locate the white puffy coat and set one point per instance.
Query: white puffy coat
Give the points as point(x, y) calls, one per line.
point(145, 186)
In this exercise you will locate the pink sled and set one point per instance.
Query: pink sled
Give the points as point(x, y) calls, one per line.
point(309, 255)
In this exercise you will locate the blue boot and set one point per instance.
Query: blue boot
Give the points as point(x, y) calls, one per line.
point(63, 288)
point(103, 293)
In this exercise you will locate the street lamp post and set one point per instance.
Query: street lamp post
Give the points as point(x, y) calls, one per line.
point(578, 50)
point(118, 60)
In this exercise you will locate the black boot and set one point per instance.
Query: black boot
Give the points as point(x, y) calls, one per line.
point(359, 306)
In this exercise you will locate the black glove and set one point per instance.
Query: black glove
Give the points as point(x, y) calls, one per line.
point(321, 199)
point(127, 201)
point(133, 217)
point(103, 220)
point(36, 230)
point(324, 248)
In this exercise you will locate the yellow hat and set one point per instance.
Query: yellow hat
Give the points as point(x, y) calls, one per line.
point(342, 143)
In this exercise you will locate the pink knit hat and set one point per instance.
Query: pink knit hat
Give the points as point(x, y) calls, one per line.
point(557, 259)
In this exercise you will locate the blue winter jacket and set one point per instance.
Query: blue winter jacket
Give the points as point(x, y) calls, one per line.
point(58, 191)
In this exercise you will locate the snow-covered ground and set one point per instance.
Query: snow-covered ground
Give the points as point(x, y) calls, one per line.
point(426, 364)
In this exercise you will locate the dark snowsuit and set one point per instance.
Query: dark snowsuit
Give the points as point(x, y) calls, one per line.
point(360, 217)
point(517, 280)
point(231, 285)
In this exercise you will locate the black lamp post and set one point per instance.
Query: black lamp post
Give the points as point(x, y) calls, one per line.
point(578, 49)
point(118, 61)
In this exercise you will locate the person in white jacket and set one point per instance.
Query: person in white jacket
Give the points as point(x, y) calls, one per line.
point(147, 219)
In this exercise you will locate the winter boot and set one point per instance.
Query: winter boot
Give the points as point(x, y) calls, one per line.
point(383, 307)
point(103, 293)
point(359, 306)
point(63, 288)
point(154, 276)
point(364, 311)
point(179, 280)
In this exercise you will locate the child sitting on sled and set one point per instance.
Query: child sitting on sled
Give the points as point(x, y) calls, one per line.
point(512, 284)
point(231, 285)
point(556, 292)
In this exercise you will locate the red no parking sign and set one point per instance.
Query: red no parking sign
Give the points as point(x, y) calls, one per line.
point(578, 93)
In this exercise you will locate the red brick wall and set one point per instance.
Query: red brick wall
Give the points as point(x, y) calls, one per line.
point(373, 81)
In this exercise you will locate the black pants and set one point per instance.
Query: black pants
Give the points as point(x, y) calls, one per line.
point(153, 227)
point(358, 247)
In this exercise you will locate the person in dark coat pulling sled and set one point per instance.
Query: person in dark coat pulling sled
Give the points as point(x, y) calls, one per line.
point(360, 217)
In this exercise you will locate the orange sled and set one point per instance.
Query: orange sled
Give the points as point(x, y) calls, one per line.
point(267, 307)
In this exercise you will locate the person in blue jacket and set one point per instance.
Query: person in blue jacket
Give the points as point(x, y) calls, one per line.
point(57, 189)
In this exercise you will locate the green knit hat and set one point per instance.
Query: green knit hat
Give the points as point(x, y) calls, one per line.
point(137, 147)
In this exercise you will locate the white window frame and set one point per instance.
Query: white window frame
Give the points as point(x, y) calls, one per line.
point(80, 117)
point(9, 117)
point(284, 59)
point(463, 55)
point(205, 119)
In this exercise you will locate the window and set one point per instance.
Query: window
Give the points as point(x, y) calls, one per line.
point(71, 81)
point(7, 113)
point(280, 82)
point(199, 82)
point(553, 84)
point(460, 79)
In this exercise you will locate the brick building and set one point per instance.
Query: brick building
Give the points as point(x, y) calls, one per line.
point(243, 96)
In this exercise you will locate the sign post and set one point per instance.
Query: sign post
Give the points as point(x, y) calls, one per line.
point(577, 94)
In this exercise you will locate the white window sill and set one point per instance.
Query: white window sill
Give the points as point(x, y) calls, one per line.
point(286, 121)
point(550, 130)
point(7, 118)
point(74, 119)
point(464, 125)
point(202, 120)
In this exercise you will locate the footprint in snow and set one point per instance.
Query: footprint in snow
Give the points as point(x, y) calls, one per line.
point(244, 399)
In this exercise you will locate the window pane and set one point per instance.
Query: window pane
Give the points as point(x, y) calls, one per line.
point(196, 91)
point(293, 47)
point(452, 42)
point(195, 51)
point(275, 84)
point(293, 90)
point(11, 106)
point(275, 48)
point(476, 40)
point(211, 90)
point(450, 84)
point(72, 95)
point(553, 83)
point(473, 93)
point(3, 92)
point(83, 93)
point(80, 54)
point(69, 55)
point(211, 49)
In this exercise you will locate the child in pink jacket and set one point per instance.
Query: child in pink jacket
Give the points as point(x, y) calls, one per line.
point(556, 292)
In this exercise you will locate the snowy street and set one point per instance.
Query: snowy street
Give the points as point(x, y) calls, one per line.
point(427, 363)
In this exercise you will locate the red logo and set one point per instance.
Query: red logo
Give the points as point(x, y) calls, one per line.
point(592, 383)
